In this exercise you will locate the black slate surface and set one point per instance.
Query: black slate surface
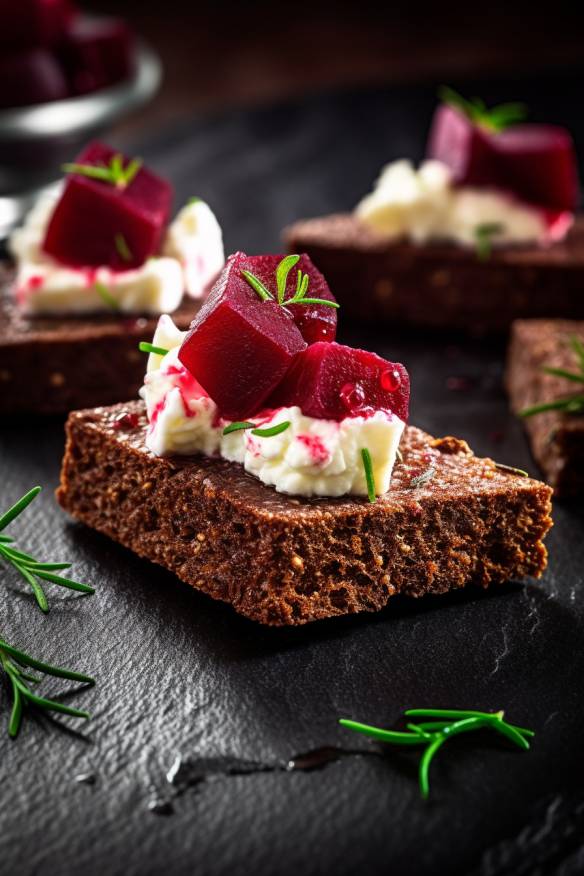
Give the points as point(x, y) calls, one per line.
point(181, 676)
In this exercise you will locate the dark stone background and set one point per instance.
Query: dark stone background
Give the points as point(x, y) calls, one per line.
point(180, 675)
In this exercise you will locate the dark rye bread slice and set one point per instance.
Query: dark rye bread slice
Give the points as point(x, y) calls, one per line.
point(52, 365)
point(557, 439)
point(441, 286)
point(283, 560)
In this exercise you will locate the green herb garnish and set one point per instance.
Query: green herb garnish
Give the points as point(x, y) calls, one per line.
point(484, 235)
point(571, 404)
point(433, 734)
point(237, 427)
point(257, 286)
point(122, 248)
point(495, 119)
point(509, 468)
point(261, 433)
point(423, 478)
point(194, 200)
point(145, 347)
point(26, 565)
point(272, 430)
point(282, 272)
point(106, 296)
point(369, 476)
point(13, 661)
point(113, 173)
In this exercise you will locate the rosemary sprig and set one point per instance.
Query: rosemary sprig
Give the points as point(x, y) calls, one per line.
point(106, 296)
point(122, 248)
point(239, 426)
point(423, 478)
point(113, 173)
point(27, 566)
point(257, 286)
point(145, 347)
point(369, 476)
point(13, 662)
point(512, 470)
point(570, 404)
point(282, 271)
point(495, 119)
point(484, 234)
point(272, 430)
point(432, 735)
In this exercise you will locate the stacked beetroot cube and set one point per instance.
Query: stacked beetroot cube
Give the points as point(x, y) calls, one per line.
point(250, 351)
point(536, 163)
point(98, 223)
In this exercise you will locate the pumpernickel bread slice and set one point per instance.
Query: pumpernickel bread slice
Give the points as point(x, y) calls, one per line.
point(449, 520)
point(54, 364)
point(440, 285)
point(556, 437)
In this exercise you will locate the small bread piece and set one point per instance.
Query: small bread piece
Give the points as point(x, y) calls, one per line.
point(54, 364)
point(283, 560)
point(556, 439)
point(440, 285)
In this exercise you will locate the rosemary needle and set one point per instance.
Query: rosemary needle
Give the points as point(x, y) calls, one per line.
point(434, 734)
point(13, 662)
point(571, 404)
point(29, 569)
point(282, 271)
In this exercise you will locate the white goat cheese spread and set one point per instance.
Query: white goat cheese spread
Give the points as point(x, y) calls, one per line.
point(424, 206)
point(192, 256)
point(311, 457)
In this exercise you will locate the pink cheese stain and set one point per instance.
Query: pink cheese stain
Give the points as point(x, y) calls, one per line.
point(189, 388)
point(158, 408)
point(319, 453)
point(558, 223)
point(252, 445)
point(33, 284)
point(89, 276)
point(265, 417)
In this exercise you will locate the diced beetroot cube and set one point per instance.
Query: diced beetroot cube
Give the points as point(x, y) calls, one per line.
point(30, 77)
point(98, 223)
point(462, 146)
point(239, 346)
point(534, 162)
point(31, 23)
point(538, 164)
point(317, 322)
point(97, 53)
point(331, 382)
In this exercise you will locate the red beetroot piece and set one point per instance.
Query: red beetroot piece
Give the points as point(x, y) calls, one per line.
point(97, 53)
point(316, 322)
point(32, 23)
point(538, 164)
point(462, 146)
point(332, 381)
point(239, 347)
point(98, 223)
point(30, 77)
